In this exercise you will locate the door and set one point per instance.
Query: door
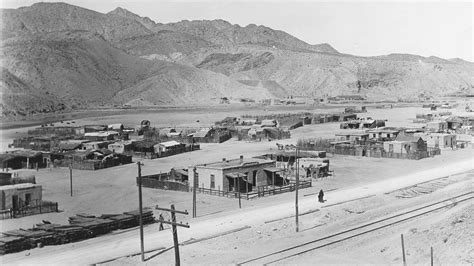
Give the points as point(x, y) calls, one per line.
point(15, 203)
point(27, 199)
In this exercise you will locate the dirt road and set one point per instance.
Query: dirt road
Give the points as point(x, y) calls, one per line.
point(114, 246)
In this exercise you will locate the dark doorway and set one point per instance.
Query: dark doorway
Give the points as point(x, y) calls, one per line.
point(15, 202)
point(27, 199)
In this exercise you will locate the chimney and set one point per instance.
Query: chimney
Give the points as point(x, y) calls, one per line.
point(241, 159)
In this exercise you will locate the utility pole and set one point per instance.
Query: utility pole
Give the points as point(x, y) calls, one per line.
point(431, 249)
point(195, 182)
point(142, 245)
point(297, 185)
point(174, 226)
point(70, 177)
point(403, 252)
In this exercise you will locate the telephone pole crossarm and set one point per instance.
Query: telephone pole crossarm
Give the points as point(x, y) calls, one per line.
point(170, 210)
point(173, 223)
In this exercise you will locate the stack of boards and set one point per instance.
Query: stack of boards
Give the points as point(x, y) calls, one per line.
point(81, 226)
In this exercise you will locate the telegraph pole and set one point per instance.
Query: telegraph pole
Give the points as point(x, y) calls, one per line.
point(297, 185)
point(195, 181)
point(142, 246)
point(70, 177)
point(403, 251)
point(174, 230)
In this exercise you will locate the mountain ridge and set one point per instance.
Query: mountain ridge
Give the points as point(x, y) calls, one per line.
point(84, 58)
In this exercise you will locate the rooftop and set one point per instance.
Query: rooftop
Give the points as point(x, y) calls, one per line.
point(353, 134)
point(235, 163)
point(19, 186)
point(170, 143)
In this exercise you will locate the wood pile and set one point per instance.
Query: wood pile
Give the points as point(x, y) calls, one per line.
point(80, 227)
point(9, 244)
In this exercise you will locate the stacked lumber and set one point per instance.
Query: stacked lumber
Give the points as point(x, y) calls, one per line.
point(80, 227)
point(34, 237)
point(147, 216)
point(10, 244)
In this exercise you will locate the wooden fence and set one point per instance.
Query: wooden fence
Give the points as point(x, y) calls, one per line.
point(38, 207)
point(157, 182)
point(261, 191)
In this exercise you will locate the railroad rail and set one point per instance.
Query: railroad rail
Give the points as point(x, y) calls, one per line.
point(378, 224)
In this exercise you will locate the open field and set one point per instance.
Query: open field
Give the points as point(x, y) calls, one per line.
point(113, 190)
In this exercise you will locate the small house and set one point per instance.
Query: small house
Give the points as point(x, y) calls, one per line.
point(70, 145)
point(169, 146)
point(95, 145)
point(20, 195)
point(437, 126)
point(121, 146)
point(118, 127)
point(438, 140)
point(94, 128)
point(454, 122)
point(405, 144)
point(356, 137)
point(239, 175)
point(248, 122)
point(101, 135)
point(383, 134)
point(269, 123)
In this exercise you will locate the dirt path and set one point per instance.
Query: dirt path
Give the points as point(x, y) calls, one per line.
point(110, 247)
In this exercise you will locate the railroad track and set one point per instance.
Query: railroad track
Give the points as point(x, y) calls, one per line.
point(285, 254)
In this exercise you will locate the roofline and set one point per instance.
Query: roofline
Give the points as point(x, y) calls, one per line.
point(229, 167)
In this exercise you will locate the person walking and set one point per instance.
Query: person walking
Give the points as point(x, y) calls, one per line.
point(321, 196)
point(161, 224)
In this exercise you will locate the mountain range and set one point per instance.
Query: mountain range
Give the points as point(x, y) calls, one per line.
point(60, 57)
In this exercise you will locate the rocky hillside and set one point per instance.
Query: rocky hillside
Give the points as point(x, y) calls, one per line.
point(58, 57)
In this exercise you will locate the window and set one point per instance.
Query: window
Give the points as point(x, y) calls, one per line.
point(213, 181)
point(390, 147)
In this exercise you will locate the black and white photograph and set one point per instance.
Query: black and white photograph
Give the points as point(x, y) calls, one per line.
point(236, 132)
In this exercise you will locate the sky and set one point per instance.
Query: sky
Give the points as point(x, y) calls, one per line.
point(366, 28)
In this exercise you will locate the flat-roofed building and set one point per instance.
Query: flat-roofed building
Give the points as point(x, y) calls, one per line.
point(20, 195)
point(243, 174)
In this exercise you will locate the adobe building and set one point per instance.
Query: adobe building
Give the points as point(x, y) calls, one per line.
point(438, 140)
point(243, 174)
point(19, 195)
point(405, 145)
